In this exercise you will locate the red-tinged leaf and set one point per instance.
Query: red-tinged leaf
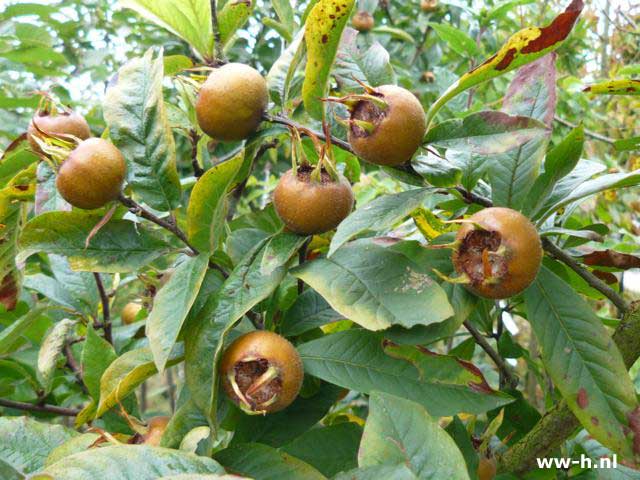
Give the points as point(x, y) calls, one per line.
point(524, 47)
point(9, 291)
point(532, 92)
point(14, 145)
point(610, 258)
point(606, 277)
point(615, 87)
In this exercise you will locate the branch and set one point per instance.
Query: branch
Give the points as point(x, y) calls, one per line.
point(139, 210)
point(559, 423)
point(586, 275)
point(74, 367)
point(307, 131)
point(215, 28)
point(195, 138)
point(105, 308)
point(505, 370)
point(30, 407)
point(589, 133)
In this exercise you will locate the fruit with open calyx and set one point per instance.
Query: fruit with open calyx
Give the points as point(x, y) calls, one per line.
point(64, 123)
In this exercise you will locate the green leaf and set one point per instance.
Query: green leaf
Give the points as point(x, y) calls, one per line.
point(437, 170)
point(457, 40)
point(523, 47)
point(323, 30)
point(246, 286)
point(615, 87)
point(135, 114)
point(262, 462)
point(559, 162)
point(400, 431)
point(119, 246)
point(485, 133)
point(208, 204)
point(26, 443)
point(356, 359)
point(378, 286)
point(126, 372)
point(171, 306)
point(330, 449)
point(382, 213)
point(396, 472)
point(188, 19)
point(283, 69)
point(51, 349)
point(309, 311)
point(372, 66)
point(280, 428)
point(582, 360)
point(76, 444)
point(13, 332)
point(627, 144)
point(285, 12)
point(48, 197)
point(232, 17)
point(97, 355)
point(125, 462)
point(187, 417)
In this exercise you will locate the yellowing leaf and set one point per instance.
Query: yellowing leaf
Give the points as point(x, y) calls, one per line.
point(324, 28)
point(615, 87)
point(523, 47)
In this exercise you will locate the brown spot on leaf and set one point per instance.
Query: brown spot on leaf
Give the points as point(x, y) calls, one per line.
point(508, 58)
point(22, 188)
point(583, 398)
point(325, 38)
point(606, 277)
point(634, 422)
point(558, 30)
point(9, 291)
point(611, 258)
point(586, 89)
point(595, 421)
point(631, 89)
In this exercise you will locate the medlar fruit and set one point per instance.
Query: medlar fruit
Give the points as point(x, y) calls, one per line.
point(156, 427)
point(309, 207)
point(231, 102)
point(429, 6)
point(92, 175)
point(498, 251)
point(388, 131)
point(487, 468)
point(130, 312)
point(63, 123)
point(363, 21)
point(261, 372)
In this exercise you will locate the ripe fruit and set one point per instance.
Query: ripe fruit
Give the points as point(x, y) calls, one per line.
point(261, 372)
point(309, 207)
point(130, 312)
point(394, 132)
point(92, 175)
point(64, 123)
point(429, 6)
point(231, 102)
point(499, 250)
point(156, 427)
point(487, 468)
point(428, 77)
point(363, 21)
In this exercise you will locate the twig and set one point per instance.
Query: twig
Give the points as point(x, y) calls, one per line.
point(105, 308)
point(194, 138)
point(215, 28)
point(586, 275)
point(139, 210)
point(306, 131)
point(589, 133)
point(29, 407)
point(510, 379)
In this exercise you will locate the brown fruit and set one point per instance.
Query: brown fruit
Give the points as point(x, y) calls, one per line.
point(499, 250)
point(428, 77)
point(64, 123)
point(92, 175)
point(231, 102)
point(130, 312)
point(156, 427)
point(261, 372)
point(398, 129)
point(429, 6)
point(308, 207)
point(363, 21)
point(487, 468)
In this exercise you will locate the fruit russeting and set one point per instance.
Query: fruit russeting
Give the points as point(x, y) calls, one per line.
point(386, 124)
point(231, 102)
point(363, 21)
point(497, 252)
point(92, 175)
point(64, 123)
point(130, 312)
point(309, 206)
point(261, 372)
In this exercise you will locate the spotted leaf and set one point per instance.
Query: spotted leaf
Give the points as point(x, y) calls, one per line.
point(627, 86)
